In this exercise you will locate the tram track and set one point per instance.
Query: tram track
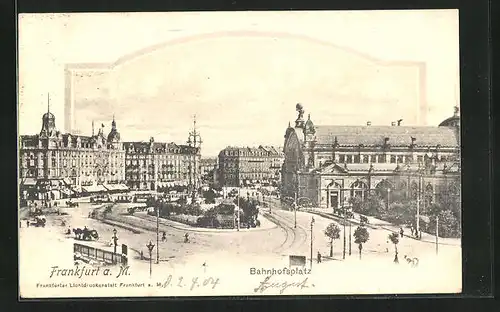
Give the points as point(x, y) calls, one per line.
point(294, 237)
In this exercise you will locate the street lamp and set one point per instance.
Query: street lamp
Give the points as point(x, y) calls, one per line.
point(437, 233)
point(345, 221)
point(350, 235)
point(115, 239)
point(150, 247)
point(311, 260)
point(388, 197)
point(238, 208)
point(295, 211)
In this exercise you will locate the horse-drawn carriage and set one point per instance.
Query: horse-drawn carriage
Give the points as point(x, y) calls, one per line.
point(85, 234)
point(69, 203)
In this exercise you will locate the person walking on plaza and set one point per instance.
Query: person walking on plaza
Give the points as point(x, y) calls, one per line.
point(401, 232)
point(319, 257)
point(27, 223)
point(164, 236)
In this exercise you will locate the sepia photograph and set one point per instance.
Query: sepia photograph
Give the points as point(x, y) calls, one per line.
point(244, 153)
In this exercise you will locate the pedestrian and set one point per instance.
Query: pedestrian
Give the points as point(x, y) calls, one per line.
point(401, 232)
point(27, 223)
point(416, 233)
point(412, 230)
point(387, 246)
point(319, 257)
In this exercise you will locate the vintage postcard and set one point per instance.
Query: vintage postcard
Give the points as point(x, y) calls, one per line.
point(239, 154)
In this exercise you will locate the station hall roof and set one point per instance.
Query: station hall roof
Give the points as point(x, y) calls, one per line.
point(397, 135)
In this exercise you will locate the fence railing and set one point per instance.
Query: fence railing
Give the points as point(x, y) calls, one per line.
point(91, 253)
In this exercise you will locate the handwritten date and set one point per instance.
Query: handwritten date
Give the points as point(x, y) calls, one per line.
point(191, 284)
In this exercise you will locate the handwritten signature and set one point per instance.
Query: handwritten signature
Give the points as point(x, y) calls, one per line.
point(192, 284)
point(282, 285)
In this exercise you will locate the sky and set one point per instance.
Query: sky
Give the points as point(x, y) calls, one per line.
point(241, 73)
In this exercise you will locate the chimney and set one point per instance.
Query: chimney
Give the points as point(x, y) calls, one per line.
point(368, 123)
point(393, 123)
point(399, 122)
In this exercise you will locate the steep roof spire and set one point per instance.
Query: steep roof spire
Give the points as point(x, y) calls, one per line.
point(48, 102)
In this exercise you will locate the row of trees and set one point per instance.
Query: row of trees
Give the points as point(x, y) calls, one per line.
point(361, 236)
point(166, 208)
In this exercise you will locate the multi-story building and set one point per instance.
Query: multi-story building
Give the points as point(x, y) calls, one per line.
point(173, 164)
point(208, 167)
point(328, 165)
point(240, 166)
point(53, 165)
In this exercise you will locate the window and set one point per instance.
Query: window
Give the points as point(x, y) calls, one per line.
point(400, 159)
point(366, 159)
point(381, 158)
point(373, 158)
point(357, 159)
point(420, 158)
point(341, 158)
point(349, 159)
point(393, 159)
point(407, 159)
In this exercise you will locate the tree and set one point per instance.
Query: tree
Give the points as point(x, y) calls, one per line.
point(332, 231)
point(394, 238)
point(372, 205)
point(401, 213)
point(361, 236)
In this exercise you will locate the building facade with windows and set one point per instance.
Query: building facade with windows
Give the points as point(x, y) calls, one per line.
point(240, 166)
point(54, 165)
point(329, 165)
point(208, 168)
point(154, 165)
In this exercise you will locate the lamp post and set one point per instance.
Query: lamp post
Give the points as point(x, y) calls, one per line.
point(350, 235)
point(419, 191)
point(115, 240)
point(155, 172)
point(295, 211)
point(437, 233)
point(311, 260)
point(150, 247)
point(388, 197)
point(345, 221)
point(238, 208)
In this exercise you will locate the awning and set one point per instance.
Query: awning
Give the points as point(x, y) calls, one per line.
point(94, 188)
point(29, 182)
point(121, 187)
point(111, 187)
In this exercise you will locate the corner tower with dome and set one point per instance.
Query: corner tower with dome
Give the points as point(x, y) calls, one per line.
point(53, 165)
point(327, 165)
